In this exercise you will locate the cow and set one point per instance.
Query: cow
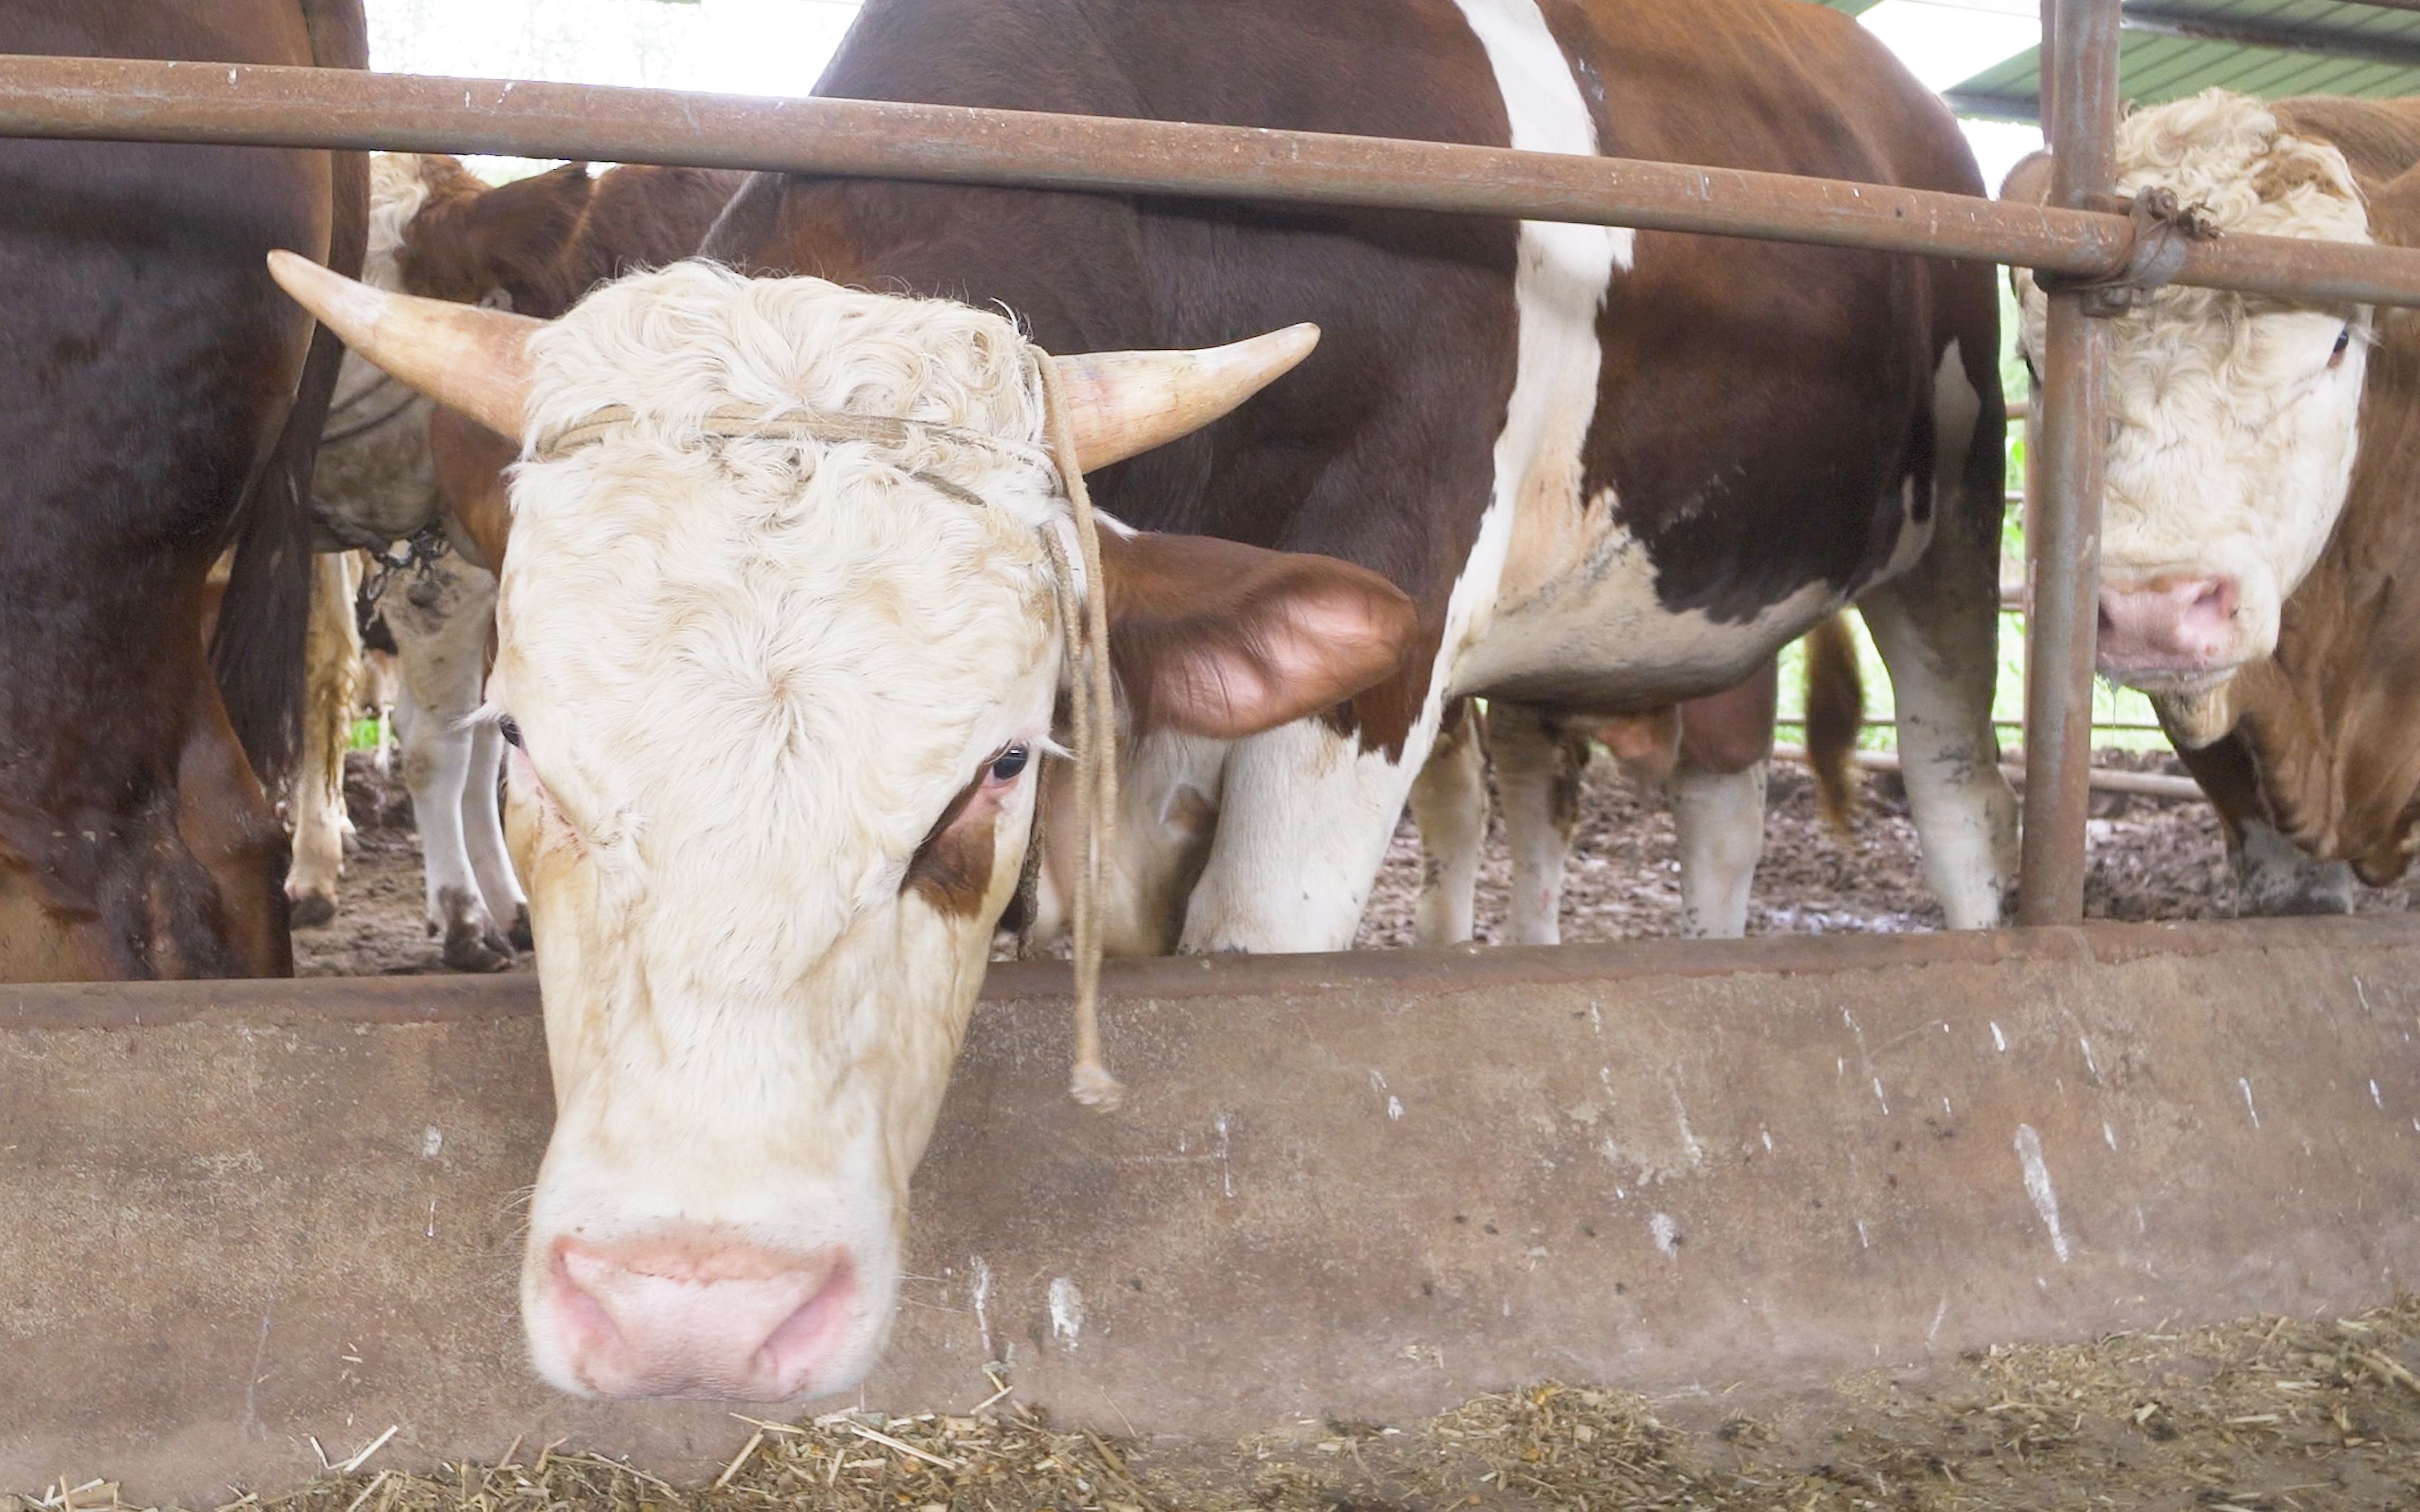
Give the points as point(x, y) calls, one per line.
point(388, 470)
point(161, 403)
point(779, 632)
point(2255, 525)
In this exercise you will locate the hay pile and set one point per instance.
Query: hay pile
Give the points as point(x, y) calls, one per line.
point(2271, 1417)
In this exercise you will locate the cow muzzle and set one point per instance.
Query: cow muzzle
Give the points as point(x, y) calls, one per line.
point(2170, 635)
point(698, 1315)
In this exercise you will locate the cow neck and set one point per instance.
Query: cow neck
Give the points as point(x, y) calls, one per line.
point(1082, 610)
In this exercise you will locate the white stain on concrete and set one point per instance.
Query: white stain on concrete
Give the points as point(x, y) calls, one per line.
point(2109, 1135)
point(2090, 1064)
point(1688, 1139)
point(2036, 1173)
point(2249, 1106)
point(1666, 1233)
point(1938, 1314)
point(1879, 1098)
point(1865, 1241)
point(982, 1303)
point(432, 1139)
point(1066, 1312)
point(1999, 1041)
point(1766, 1135)
point(1394, 1110)
point(1226, 1170)
point(2374, 1098)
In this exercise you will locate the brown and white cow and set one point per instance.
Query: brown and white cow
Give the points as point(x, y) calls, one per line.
point(160, 402)
point(776, 628)
point(2256, 519)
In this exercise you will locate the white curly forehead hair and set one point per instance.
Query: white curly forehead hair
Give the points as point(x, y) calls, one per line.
point(729, 651)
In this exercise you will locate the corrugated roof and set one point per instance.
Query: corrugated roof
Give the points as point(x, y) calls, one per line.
point(2272, 48)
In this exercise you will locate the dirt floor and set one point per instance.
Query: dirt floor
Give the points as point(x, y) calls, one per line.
point(2150, 859)
point(2271, 1415)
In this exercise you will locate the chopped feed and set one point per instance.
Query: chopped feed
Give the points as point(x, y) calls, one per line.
point(2274, 1415)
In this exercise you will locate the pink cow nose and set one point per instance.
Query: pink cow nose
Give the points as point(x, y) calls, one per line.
point(2180, 624)
point(668, 1318)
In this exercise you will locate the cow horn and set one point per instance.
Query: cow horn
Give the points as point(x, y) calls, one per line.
point(471, 358)
point(1124, 403)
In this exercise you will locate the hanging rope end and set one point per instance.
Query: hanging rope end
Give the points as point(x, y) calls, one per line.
point(1094, 1086)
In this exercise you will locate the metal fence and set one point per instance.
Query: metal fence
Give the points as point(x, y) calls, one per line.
point(2078, 233)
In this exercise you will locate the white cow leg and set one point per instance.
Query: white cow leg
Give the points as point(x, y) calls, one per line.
point(2273, 877)
point(483, 833)
point(1538, 767)
point(1719, 817)
point(1449, 807)
point(436, 762)
point(1938, 633)
point(1303, 827)
point(442, 649)
point(331, 658)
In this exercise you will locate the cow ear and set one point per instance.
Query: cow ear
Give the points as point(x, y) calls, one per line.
point(2028, 182)
point(1213, 637)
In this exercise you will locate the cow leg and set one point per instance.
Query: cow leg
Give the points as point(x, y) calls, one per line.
point(441, 647)
point(2273, 876)
point(1449, 807)
point(1538, 763)
point(332, 659)
point(1718, 792)
point(1941, 648)
point(1302, 828)
point(483, 832)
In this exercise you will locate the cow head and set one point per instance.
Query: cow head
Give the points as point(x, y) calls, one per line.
point(2231, 435)
point(779, 704)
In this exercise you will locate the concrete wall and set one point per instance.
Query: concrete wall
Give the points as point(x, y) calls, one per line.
point(233, 1216)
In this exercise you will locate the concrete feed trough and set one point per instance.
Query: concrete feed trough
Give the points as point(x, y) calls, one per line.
point(237, 1216)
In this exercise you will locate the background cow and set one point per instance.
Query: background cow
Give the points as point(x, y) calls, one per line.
point(779, 626)
point(2256, 518)
point(159, 403)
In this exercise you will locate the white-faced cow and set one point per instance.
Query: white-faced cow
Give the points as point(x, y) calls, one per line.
point(2256, 521)
point(777, 639)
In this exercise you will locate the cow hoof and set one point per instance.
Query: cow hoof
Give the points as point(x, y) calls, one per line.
point(471, 948)
point(520, 934)
point(313, 910)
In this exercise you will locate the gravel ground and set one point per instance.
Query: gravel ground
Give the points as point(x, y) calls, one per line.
point(2150, 859)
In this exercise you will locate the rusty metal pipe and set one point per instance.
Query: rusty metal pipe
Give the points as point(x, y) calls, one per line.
point(127, 100)
point(2063, 541)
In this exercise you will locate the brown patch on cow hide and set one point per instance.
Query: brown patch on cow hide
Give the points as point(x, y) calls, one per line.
point(953, 868)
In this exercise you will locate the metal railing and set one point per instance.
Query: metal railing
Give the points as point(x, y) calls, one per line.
point(119, 99)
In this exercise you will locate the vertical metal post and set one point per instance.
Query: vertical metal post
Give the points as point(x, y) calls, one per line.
point(2070, 435)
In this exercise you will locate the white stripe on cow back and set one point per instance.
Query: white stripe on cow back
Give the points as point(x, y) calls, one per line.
point(1307, 813)
point(1561, 279)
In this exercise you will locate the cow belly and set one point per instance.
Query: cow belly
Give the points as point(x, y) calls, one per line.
point(1597, 636)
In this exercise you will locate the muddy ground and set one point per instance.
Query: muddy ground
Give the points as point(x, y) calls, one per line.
point(2150, 859)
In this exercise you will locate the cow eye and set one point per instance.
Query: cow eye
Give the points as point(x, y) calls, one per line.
point(510, 729)
point(2344, 340)
point(1008, 763)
